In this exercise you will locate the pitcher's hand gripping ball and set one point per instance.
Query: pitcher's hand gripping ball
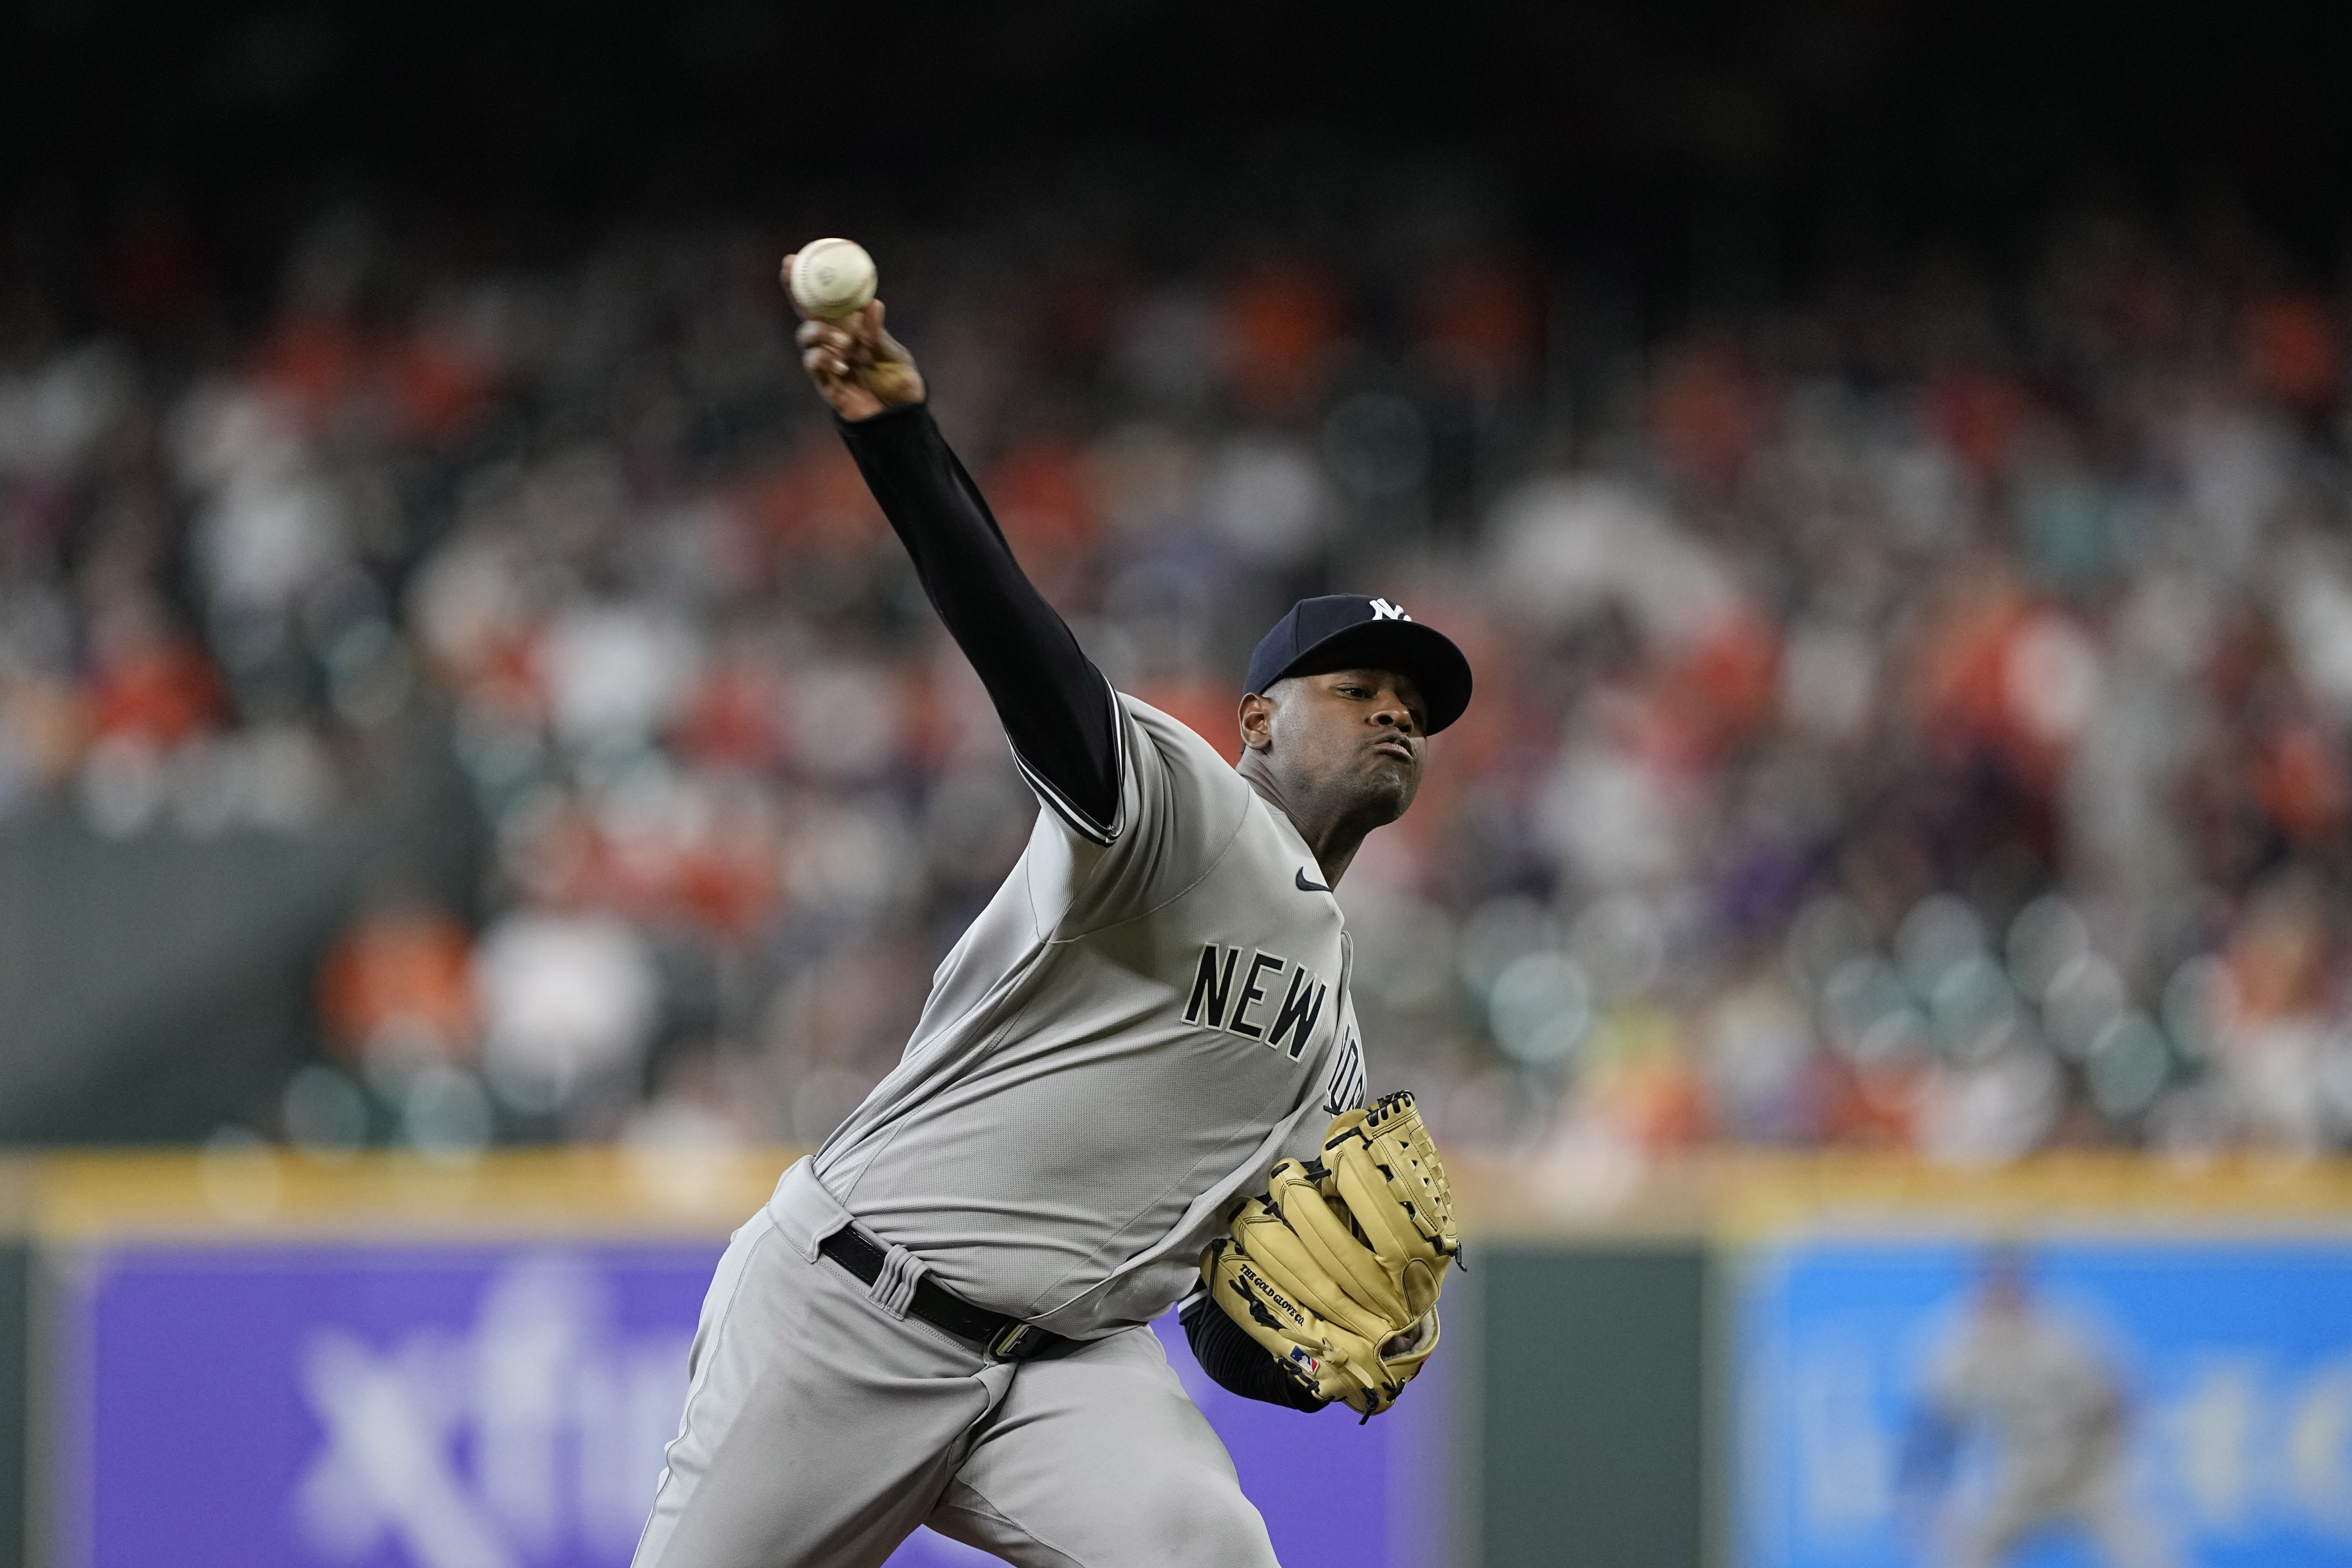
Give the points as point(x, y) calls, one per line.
point(831, 279)
point(1335, 1270)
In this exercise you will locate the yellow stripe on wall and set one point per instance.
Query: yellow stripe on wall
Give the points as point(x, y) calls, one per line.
point(263, 1191)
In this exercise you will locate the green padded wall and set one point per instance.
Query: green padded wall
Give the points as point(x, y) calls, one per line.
point(154, 987)
point(1592, 1428)
point(16, 1283)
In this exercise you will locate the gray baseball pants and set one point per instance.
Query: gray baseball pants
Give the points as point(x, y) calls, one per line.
point(820, 1430)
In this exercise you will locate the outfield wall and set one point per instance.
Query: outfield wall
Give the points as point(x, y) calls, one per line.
point(259, 1359)
point(15, 1329)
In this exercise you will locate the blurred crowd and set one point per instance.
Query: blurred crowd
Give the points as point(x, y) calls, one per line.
point(1915, 717)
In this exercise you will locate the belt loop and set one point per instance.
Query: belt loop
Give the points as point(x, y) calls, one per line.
point(893, 1288)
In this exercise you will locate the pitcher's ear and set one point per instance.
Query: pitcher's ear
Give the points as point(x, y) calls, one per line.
point(1256, 718)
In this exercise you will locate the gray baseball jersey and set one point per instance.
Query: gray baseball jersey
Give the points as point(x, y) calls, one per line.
point(1150, 1014)
point(1147, 1017)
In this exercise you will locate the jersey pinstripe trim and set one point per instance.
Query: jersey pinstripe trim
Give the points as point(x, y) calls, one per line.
point(1080, 822)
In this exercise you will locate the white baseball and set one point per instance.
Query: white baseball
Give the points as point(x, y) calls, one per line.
point(833, 279)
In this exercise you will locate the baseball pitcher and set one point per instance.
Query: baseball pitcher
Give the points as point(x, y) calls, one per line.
point(1136, 1080)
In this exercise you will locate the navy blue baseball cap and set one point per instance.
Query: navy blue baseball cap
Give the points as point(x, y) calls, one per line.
point(1347, 631)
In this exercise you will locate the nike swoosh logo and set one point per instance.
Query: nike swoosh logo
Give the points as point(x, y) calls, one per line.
point(1307, 887)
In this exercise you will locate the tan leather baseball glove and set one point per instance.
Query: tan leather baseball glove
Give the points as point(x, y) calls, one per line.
point(1335, 1270)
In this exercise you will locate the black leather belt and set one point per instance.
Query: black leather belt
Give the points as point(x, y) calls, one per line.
point(1003, 1338)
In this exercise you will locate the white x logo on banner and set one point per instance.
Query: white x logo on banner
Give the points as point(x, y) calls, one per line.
point(386, 1466)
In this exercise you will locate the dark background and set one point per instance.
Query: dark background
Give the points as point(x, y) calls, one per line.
point(1714, 156)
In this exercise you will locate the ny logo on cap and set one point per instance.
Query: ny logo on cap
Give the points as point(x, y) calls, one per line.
point(1384, 611)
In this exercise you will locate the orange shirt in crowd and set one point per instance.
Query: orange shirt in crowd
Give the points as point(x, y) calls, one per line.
point(401, 969)
point(162, 692)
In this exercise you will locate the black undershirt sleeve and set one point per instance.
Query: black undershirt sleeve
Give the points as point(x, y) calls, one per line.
point(1236, 1363)
point(1057, 707)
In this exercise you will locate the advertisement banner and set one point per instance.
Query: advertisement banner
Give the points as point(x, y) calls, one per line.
point(2132, 1404)
point(501, 1406)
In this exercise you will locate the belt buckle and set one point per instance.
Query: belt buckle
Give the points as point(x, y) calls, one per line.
point(1006, 1346)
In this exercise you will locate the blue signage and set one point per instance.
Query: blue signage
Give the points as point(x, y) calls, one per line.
point(2124, 1403)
